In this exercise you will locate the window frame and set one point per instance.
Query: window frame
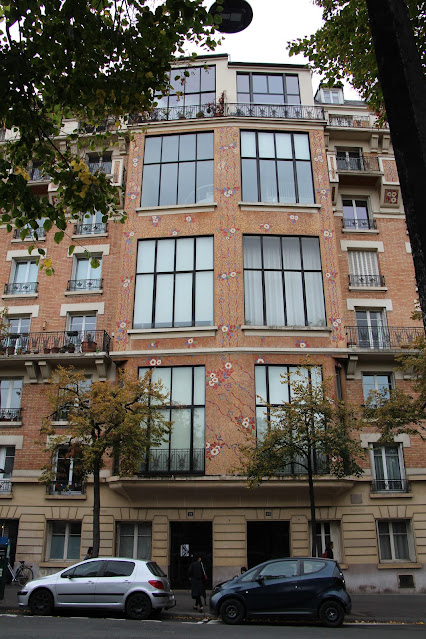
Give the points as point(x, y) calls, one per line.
point(164, 101)
point(363, 263)
point(73, 486)
point(386, 484)
point(251, 92)
point(13, 383)
point(370, 336)
point(377, 388)
point(135, 537)
point(5, 455)
point(353, 203)
point(67, 536)
point(391, 534)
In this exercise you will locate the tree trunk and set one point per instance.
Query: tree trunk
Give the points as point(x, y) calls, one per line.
point(96, 508)
point(312, 504)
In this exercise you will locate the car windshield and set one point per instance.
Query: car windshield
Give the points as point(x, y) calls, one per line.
point(248, 576)
point(155, 569)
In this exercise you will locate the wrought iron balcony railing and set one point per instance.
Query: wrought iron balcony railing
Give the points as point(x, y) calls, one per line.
point(84, 285)
point(90, 229)
point(382, 337)
point(56, 342)
point(20, 288)
point(366, 280)
point(282, 111)
point(31, 233)
point(352, 223)
point(5, 487)
point(364, 162)
point(184, 461)
point(10, 414)
point(360, 121)
point(320, 466)
point(60, 488)
point(390, 485)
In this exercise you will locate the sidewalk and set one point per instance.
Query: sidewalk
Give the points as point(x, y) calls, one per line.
point(405, 608)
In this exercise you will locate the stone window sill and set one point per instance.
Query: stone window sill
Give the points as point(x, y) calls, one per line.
point(182, 331)
point(10, 424)
point(397, 565)
point(363, 231)
point(98, 291)
point(391, 495)
point(153, 211)
point(368, 288)
point(279, 206)
point(19, 296)
point(289, 331)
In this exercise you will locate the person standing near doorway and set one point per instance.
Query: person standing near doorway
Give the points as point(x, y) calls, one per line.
point(328, 552)
point(198, 577)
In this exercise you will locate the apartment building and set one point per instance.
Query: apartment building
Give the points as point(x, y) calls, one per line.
point(264, 224)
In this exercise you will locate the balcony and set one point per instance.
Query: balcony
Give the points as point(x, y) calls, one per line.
point(30, 234)
point(56, 342)
point(383, 337)
point(20, 288)
point(85, 285)
point(358, 122)
point(177, 461)
point(366, 281)
point(90, 229)
point(5, 487)
point(10, 414)
point(59, 488)
point(390, 486)
point(364, 163)
point(358, 225)
point(283, 111)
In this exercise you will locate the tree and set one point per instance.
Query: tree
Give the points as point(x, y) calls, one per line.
point(94, 61)
point(104, 419)
point(311, 434)
point(342, 48)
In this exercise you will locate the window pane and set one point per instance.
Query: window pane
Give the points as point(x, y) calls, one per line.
point(168, 186)
point(204, 299)
point(243, 82)
point(170, 148)
point(204, 249)
point(205, 187)
point(164, 301)
point(186, 183)
point(311, 253)
point(57, 546)
point(248, 144)
point(294, 299)
point(183, 299)
point(198, 428)
point(261, 423)
point(260, 384)
point(199, 385)
point(205, 146)
point(249, 181)
point(275, 83)
point(181, 433)
point(253, 298)
point(187, 147)
point(150, 185)
point(146, 255)
point(274, 298)
point(185, 254)
point(266, 145)
point(165, 255)
point(152, 150)
point(304, 182)
point(278, 391)
point(208, 79)
point(291, 253)
point(301, 146)
point(292, 84)
point(268, 181)
point(259, 83)
point(252, 252)
point(286, 183)
point(182, 385)
point(271, 252)
point(192, 82)
point(315, 299)
point(73, 547)
point(283, 142)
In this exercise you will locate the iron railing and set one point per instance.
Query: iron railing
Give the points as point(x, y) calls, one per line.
point(390, 485)
point(5, 486)
point(84, 285)
point(366, 280)
point(30, 234)
point(283, 111)
point(56, 342)
point(320, 466)
point(187, 461)
point(20, 288)
point(352, 223)
point(10, 414)
point(360, 121)
point(90, 229)
point(59, 488)
point(382, 337)
point(364, 162)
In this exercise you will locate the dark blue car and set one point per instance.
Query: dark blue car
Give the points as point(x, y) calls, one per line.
point(295, 587)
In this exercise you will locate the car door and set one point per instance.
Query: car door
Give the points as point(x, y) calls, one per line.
point(76, 586)
point(277, 589)
point(314, 579)
point(114, 582)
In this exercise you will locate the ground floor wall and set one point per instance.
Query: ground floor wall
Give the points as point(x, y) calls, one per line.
point(229, 525)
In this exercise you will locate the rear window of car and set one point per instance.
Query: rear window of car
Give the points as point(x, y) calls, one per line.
point(311, 565)
point(116, 568)
point(155, 569)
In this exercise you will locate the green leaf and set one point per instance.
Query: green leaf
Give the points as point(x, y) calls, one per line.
point(58, 237)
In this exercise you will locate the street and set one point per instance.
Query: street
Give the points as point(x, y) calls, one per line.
point(27, 627)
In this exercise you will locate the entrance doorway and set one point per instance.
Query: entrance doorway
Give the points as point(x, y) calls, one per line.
point(9, 528)
point(189, 540)
point(267, 540)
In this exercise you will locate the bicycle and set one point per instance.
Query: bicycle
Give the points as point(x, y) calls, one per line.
point(22, 575)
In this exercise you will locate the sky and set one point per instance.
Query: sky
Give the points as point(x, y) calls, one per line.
point(275, 22)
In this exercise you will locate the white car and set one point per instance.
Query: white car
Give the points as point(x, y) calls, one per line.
point(139, 588)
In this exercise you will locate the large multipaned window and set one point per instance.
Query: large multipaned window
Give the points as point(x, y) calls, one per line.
point(273, 385)
point(24, 278)
point(63, 540)
point(190, 86)
point(178, 169)
point(388, 468)
point(276, 167)
point(356, 214)
point(364, 269)
point(395, 540)
point(134, 539)
point(380, 383)
point(174, 283)
point(16, 336)
point(271, 88)
point(283, 281)
point(372, 331)
point(7, 460)
point(68, 472)
point(183, 451)
point(10, 394)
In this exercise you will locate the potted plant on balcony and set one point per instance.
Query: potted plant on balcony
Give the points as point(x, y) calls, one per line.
point(89, 345)
point(55, 347)
point(46, 347)
point(71, 347)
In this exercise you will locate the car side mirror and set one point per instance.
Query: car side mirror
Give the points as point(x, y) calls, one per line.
point(260, 580)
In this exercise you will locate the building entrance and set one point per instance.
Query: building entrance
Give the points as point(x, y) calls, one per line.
point(267, 540)
point(9, 528)
point(189, 540)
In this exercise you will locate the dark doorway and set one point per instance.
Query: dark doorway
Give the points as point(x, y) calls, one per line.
point(9, 528)
point(267, 540)
point(189, 540)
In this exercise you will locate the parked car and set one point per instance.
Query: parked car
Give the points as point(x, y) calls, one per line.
point(296, 587)
point(139, 588)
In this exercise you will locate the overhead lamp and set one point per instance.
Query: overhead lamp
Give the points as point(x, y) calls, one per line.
point(236, 15)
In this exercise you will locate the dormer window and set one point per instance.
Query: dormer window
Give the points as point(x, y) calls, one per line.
point(332, 96)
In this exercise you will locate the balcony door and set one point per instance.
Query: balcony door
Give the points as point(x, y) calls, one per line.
point(371, 329)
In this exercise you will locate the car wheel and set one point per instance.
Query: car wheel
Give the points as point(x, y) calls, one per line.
point(232, 611)
point(41, 602)
point(138, 606)
point(331, 614)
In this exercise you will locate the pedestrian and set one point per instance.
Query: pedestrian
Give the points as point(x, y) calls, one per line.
point(243, 570)
point(328, 552)
point(198, 577)
point(89, 553)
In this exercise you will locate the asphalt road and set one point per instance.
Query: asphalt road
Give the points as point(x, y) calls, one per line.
point(27, 627)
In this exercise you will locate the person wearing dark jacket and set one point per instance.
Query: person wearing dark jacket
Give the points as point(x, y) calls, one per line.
point(198, 576)
point(328, 553)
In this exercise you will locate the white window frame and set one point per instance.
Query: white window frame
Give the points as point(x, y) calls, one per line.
point(329, 531)
point(376, 385)
point(332, 96)
point(14, 382)
point(3, 457)
point(67, 536)
point(387, 485)
point(409, 536)
point(135, 537)
point(371, 336)
point(67, 487)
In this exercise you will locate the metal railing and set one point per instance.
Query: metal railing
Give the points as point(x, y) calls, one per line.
point(352, 223)
point(10, 414)
point(31, 233)
point(59, 488)
point(320, 466)
point(5, 486)
point(173, 462)
point(20, 288)
point(84, 285)
point(90, 229)
point(366, 280)
point(390, 485)
point(360, 121)
point(56, 342)
point(382, 337)
point(364, 162)
point(283, 111)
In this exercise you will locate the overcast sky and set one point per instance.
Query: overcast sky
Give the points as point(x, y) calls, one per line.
point(275, 22)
